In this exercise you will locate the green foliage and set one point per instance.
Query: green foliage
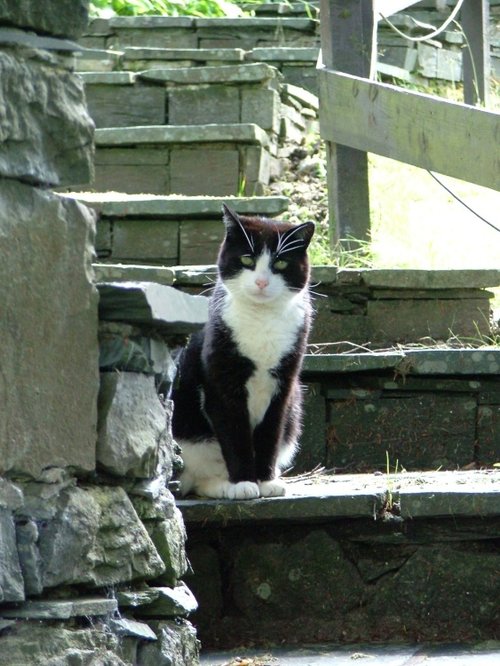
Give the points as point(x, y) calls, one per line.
point(208, 8)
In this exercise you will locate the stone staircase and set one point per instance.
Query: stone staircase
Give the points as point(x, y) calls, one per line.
point(378, 555)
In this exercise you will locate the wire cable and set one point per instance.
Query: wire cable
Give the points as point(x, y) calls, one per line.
point(432, 34)
point(457, 198)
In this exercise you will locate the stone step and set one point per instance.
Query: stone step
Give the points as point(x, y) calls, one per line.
point(297, 64)
point(189, 32)
point(147, 229)
point(211, 160)
point(426, 408)
point(468, 654)
point(349, 558)
point(227, 94)
point(378, 308)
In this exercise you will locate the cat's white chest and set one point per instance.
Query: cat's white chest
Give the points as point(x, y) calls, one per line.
point(264, 334)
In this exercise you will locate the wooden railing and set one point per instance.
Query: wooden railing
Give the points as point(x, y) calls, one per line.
point(359, 115)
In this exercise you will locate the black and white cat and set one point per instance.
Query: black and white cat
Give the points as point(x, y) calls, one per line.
point(237, 403)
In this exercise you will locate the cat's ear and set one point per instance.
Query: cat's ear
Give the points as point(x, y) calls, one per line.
point(230, 218)
point(300, 236)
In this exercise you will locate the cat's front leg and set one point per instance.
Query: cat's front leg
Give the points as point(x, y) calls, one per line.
point(232, 430)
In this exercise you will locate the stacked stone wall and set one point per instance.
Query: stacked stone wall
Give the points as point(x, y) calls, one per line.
point(91, 543)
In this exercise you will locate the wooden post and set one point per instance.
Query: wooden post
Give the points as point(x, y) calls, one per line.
point(476, 53)
point(347, 34)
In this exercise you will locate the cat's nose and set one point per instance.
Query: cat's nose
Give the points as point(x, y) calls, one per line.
point(261, 282)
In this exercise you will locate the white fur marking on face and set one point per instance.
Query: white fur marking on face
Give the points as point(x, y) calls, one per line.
point(265, 328)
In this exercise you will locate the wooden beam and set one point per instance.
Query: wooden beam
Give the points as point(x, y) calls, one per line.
point(476, 53)
point(347, 34)
point(428, 132)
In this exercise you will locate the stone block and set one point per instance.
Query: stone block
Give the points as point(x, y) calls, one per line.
point(196, 105)
point(171, 602)
point(29, 557)
point(417, 596)
point(117, 204)
point(41, 101)
point(205, 170)
point(133, 272)
point(126, 105)
point(132, 171)
point(30, 643)
point(420, 431)
point(169, 537)
point(49, 331)
point(11, 577)
point(262, 107)
point(275, 578)
point(153, 240)
point(177, 644)
point(61, 18)
point(151, 37)
point(488, 434)
point(62, 609)
point(152, 304)
point(96, 538)
point(200, 241)
point(407, 321)
point(132, 425)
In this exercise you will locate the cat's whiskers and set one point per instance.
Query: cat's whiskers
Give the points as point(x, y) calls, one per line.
point(290, 246)
point(248, 238)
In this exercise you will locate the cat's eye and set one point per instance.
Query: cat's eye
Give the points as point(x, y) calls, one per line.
point(247, 261)
point(280, 264)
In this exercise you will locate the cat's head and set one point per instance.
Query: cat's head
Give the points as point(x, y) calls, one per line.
point(263, 260)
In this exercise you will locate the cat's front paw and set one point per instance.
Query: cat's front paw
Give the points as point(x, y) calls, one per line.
point(273, 488)
point(243, 490)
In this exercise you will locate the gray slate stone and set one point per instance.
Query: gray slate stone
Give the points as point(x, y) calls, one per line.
point(66, 18)
point(171, 602)
point(11, 578)
point(169, 538)
point(29, 556)
point(96, 538)
point(228, 74)
point(182, 134)
point(33, 643)
point(132, 424)
point(41, 101)
point(153, 305)
point(48, 328)
point(133, 273)
point(177, 645)
point(62, 609)
point(11, 496)
point(134, 598)
point(117, 204)
point(125, 627)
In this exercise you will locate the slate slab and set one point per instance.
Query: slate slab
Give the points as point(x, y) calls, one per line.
point(67, 18)
point(177, 644)
point(95, 538)
point(482, 361)
point(11, 578)
point(182, 134)
point(41, 101)
point(117, 204)
point(227, 74)
point(132, 425)
point(171, 602)
point(62, 609)
point(49, 320)
point(152, 305)
point(420, 494)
